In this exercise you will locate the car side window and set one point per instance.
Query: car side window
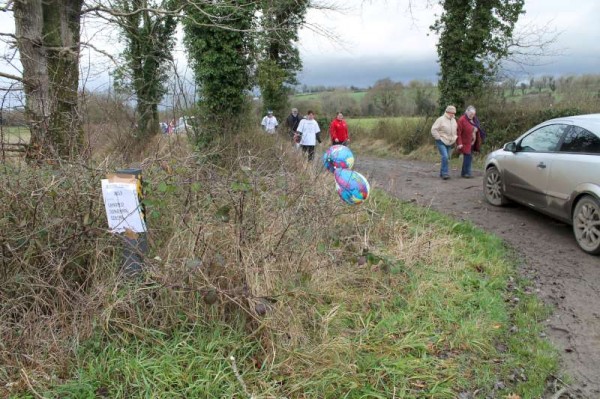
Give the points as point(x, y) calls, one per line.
point(544, 139)
point(580, 140)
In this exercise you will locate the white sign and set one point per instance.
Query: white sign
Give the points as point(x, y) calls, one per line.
point(123, 207)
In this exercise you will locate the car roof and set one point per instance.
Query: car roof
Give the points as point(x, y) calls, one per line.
point(589, 122)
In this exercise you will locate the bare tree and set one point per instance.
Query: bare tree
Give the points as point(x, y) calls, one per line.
point(511, 84)
point(523, 87)
point(531, 45)
point(47, 35)
point(539, 85)
point(385, 95)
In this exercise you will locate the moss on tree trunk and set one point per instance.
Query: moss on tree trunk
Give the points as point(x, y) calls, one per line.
point(48, 34)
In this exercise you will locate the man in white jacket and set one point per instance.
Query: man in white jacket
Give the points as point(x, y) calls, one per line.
point(269, 123)
point(444, 132)
point(311, 133)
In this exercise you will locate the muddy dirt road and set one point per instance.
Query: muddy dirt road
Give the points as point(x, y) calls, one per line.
point(565, 277)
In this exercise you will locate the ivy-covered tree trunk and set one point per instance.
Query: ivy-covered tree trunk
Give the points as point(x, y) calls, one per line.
point(219, 41)
point(271, 79)
point(148, 122)
point(453, 50)
point(48, 38)
point(475, 36)
point(149, 39)
point(279, 59)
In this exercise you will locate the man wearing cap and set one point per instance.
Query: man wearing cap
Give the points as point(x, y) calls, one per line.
point(444, 131)
point(292, 122)
point(269, 123)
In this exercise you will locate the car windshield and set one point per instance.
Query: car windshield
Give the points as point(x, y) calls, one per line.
point(544, 139)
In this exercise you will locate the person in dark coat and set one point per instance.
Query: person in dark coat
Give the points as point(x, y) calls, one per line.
point(292, 122)
point(470, 138)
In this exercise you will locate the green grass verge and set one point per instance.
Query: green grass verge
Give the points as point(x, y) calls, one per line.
point(436, 310)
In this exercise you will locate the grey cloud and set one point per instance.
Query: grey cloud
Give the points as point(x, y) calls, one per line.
point(363, 72)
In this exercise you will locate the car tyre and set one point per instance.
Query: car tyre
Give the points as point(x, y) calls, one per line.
point(493, 187)
point(586, 224)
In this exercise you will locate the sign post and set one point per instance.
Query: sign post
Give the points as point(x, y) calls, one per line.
point(122, 194)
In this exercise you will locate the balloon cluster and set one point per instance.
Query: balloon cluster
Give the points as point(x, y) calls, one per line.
point(352, 187)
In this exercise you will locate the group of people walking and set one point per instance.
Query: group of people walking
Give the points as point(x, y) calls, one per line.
point(463, 136)
point(305, 131)
point(466, 133)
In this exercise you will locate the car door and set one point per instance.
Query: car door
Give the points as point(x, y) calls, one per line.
point(527, 172)
point(575, 164)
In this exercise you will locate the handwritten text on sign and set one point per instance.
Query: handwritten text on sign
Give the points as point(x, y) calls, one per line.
point(122, 207)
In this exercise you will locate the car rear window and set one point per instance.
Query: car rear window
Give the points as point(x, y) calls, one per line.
point(580, 140)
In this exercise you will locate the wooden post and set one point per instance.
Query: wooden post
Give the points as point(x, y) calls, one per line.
point(135, 246)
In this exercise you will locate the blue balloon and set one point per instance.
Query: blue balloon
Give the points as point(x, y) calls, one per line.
point(338, 157)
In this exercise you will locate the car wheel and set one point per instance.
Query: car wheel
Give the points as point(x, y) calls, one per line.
point(492, 187)
point(586, 224)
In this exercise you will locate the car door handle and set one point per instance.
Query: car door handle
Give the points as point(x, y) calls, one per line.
point(541, 165)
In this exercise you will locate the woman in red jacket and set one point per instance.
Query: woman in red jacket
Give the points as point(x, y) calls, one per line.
point(468, 140)
point(339, 130)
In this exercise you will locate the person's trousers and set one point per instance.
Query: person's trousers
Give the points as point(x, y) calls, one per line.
point(342, 143)
point(466, 166)
point(311, 151)
point(445, 151)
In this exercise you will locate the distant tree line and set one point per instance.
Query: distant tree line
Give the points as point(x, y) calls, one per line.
point(421, 98)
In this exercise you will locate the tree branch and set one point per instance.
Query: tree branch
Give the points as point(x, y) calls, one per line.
point(8, 35)
point(118, 13)
point(7, 7)
point(9, 76)
point(104, 53)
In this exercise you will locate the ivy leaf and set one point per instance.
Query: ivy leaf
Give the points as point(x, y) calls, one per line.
point(223, 213)
point(240, 186)
point(321, 247)
point(162, 187)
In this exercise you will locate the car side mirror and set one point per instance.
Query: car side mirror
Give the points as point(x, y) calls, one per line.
point(512, 147)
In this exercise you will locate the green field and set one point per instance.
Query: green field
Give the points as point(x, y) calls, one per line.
point(357, 95)
point(369, 123)
point(15, 134)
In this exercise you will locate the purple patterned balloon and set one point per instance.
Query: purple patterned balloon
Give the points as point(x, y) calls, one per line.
point(352, 187)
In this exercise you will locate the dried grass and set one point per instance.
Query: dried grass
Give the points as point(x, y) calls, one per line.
point(242, 221)
point(322, 299)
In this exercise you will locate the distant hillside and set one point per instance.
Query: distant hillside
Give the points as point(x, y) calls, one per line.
point(356, 95)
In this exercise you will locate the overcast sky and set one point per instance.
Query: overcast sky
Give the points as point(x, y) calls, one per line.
point(383, 39)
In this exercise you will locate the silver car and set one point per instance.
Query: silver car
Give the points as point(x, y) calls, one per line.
point(553, 168)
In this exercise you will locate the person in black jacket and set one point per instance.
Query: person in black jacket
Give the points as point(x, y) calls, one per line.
point(292, 122)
